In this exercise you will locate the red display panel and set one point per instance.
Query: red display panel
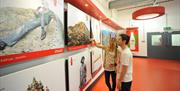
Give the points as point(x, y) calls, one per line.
point(134, 39)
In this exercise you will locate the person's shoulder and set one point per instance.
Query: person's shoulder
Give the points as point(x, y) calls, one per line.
point(126, 51)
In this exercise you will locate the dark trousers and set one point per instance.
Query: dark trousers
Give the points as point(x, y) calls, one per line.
point(126, 86)
point(107, 79)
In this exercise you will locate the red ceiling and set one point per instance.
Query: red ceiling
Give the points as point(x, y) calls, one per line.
point(132, 28)
point(112, 24)
point(88, 7)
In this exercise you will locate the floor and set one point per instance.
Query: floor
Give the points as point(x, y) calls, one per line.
point(150, 75)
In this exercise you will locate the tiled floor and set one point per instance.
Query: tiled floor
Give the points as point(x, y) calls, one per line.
point(150, 75)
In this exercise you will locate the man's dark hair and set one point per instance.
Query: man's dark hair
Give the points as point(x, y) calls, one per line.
point(125, 37)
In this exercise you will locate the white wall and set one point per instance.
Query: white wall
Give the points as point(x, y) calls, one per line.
point(172, 10)
point(103, 6)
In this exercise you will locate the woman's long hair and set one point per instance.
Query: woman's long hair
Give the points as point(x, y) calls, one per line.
point(112, 44)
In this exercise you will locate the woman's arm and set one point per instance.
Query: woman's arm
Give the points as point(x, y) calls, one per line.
point(99, 45)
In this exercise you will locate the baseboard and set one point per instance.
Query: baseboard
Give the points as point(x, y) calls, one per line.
point(140, 56)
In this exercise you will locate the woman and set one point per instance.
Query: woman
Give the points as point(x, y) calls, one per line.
point(83, 72)
point(109, 62)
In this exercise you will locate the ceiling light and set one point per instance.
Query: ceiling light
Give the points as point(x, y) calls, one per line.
point(148, 13)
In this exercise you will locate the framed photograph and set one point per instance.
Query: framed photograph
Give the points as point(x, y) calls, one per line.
point(96, 31)
point(134, 38)
point(78, 32)
point(96, 58)
point(45, 77)
point(30, 29)
point(79, 71)
point(105, 37)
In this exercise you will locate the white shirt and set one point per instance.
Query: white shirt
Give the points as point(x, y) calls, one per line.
point(126, 59)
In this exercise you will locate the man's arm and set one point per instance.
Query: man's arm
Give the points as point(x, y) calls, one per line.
point(122, 74)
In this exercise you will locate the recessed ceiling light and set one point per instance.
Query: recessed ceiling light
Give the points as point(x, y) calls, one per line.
point(86, 5)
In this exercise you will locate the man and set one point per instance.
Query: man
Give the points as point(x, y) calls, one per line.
point(125, 79)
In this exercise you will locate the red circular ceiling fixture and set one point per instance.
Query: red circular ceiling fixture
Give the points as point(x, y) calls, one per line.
point(148, 13)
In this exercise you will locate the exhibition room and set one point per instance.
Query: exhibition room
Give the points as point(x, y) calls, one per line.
point(89, 45)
